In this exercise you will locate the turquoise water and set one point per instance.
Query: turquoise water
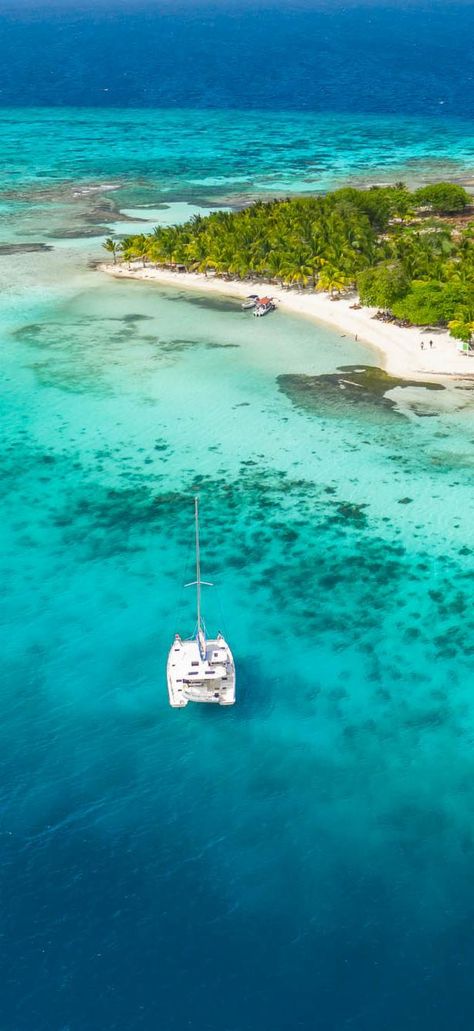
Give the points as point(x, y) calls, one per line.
point(304, 859)
point(207, 154)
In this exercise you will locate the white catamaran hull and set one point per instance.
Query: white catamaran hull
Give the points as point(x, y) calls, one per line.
point(200, 669)
point(194, 678)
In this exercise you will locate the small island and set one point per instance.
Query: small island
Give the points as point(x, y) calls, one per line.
point(399, 264)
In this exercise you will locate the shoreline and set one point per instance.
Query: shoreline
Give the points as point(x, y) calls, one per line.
point(399, 349)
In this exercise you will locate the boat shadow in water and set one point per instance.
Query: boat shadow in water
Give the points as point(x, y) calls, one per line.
point(255, 693)
point(212, 303)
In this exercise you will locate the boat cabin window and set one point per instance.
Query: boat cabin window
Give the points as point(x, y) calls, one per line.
point(195, 664)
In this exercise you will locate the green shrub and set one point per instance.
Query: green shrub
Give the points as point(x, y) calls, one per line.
point(383, 285)
point(444, 198)
point(435, 303)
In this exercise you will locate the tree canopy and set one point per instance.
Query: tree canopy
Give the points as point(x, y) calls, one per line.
point(444, 198)
point(418, 264)
point(383, 284)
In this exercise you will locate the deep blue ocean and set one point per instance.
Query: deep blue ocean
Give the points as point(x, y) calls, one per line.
point(409, 59)
point(305, 859)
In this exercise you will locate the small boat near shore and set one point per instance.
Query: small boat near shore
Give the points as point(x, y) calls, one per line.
point(250, 302)
point(200, 668)
point(264, 306)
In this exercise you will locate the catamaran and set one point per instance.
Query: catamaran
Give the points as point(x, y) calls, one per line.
point(200, 669)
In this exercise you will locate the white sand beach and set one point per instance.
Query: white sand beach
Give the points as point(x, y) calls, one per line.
point(399, 350)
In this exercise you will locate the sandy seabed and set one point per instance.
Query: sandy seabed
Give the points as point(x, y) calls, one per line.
point(400, 350)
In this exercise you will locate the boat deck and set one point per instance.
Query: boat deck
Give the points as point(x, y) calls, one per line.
point(193, 679)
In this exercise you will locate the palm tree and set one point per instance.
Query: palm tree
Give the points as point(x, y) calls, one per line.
point(111, 246)
point(325, 241)
point(141, 247)
point(333, 281)
point(126, 249)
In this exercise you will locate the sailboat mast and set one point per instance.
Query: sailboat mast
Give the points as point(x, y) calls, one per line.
point(198, 563)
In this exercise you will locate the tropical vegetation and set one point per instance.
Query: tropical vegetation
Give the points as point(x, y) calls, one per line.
point(409, 253)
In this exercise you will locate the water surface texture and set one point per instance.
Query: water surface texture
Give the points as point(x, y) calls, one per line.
point(201, 155)
point(405, 57)
point(303, 860)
